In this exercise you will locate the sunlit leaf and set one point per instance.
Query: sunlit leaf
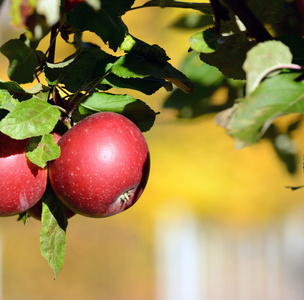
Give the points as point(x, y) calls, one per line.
point(53, 230)
point(30, 118)
point(262, 58)
point(42, 149)
point(250, 117)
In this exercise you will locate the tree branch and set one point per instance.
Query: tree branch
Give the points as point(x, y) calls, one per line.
point(255, 28)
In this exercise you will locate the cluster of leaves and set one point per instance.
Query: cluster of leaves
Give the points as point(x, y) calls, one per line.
point(67, 91)
point(262, 71)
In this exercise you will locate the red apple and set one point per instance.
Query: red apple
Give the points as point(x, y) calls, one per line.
point(22, 183)
point(103, 167)
point(69, 4)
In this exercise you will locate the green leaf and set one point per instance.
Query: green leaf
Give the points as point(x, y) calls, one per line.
point(204, 41)
point(74, 72)
point(141, 48)
point(42, 149)
point(136, 110)
point(147, 85)
point(30, 118)
point(7, 101)
point(229, 54)
point(261, 59)
point(247, 120)
point(53, 230)
point(133, 66)
point(23, 60)
point(106, 23)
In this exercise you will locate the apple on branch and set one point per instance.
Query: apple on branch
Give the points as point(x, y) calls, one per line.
point(103, 167)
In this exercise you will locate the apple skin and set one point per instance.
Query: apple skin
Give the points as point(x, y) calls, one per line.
point(103, 158)
point(22, 183)
point(69, 4)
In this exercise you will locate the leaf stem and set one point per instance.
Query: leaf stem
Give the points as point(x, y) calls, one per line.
point(275, 68)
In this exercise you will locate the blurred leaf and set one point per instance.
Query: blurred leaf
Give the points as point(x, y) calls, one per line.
point(269, 12)
point(19, 11)
point(207, 80)
point(50, 10)
point(30, 118)
point(53, 230)
point(227, 53)
point(23, 60)
point(137, 111)
point(251, 116)
point(42, 149)
point(262, 58)
point(193, 21)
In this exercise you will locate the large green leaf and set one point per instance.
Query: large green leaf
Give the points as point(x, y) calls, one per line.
point(74, 72)
point(23, 60)
point(30, 118)
point(248, 119)
point(133, 66)
point(261, 59)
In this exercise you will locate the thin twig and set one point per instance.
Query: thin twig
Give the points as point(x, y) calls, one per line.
point(205, 8)
point(255, 28)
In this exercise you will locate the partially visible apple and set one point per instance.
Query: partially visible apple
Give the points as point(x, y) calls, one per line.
point(69, 4)
point(22, 183)
point(103, 167)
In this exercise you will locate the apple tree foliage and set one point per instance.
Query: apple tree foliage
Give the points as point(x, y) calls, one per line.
point(252, 48)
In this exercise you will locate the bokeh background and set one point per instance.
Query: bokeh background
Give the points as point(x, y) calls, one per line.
point(213, 223)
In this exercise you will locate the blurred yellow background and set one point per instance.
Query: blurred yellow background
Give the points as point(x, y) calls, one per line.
point(195, 172)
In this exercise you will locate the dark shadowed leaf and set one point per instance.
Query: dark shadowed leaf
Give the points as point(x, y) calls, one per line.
point(23, 60)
